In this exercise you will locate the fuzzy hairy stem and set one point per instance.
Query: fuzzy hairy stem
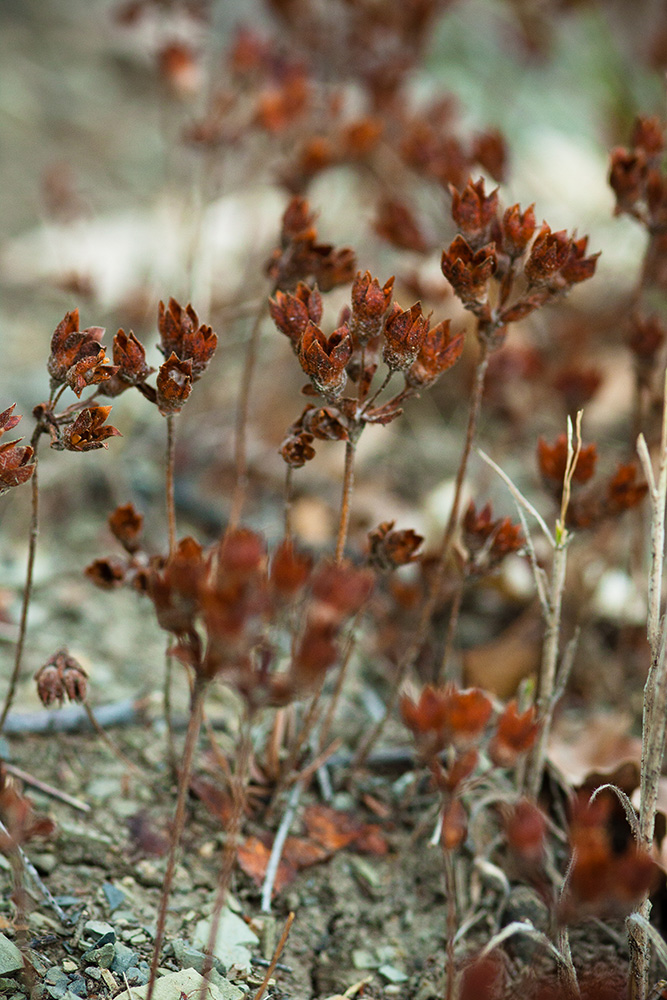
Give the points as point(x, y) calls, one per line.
point(348, 482)
point(27, 587)
point(194, 725)
point(412, 651)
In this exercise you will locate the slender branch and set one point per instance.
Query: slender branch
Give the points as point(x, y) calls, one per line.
point(194, 725)
point(242, 415)
point(278, 845)
point(230, 850)
point(276, 955)
point(348, 482)
point(654, 717)
point(106, 739)
point(27, 588)
point(171, 507)
point(452, 920)
point(428, 607)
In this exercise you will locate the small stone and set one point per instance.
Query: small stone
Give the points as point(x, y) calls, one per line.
point(232, 940)
point(362, 959)
point(10, 956)
point(77, 985)
point(69, 965)
point(44, 863)
point(93, 972)
point(97, 929)
point(124, 958)
point(115, 897)
point(392, 974)
point(149, 874)
point(102, 957)
point(188, 982)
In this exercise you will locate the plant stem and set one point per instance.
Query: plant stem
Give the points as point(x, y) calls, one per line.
point(452, 920)
point(348, 482)
point(194, 725)
point(27, 588)
point(654, 717)
point(289, 482)
point(276, 955)
point(240, 797)
point(242, 414)
point(548, 666)
point(415, 645)
point(171, 507)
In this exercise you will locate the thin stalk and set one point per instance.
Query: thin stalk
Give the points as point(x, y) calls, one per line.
point(240, 798)
point(412, 651)
point(340, 679)
point(348, 482)
point(194, 725)
point(171, 507)
point(167, 708)
point(452, 921)
point(654, 717)
point(106, 739)
point(548, 669)
point(276, 955)
point(289, 484)
point(445, 670)
point(242, 415)
point(27, 587)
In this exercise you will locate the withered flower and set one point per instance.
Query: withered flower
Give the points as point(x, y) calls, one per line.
point(107, 574)
point(90, 370)
point(324, 359)
point(390, 549)
point(370, 303)
point(397, 224)
point(526, 829)
point(70, 345)
point(623, 490)
point(62, 676)
point(181, 334)
point(300, 257)
point(468, 271)
point(297, 449)
point(444, 716)
point(646, 337)
point(488, 541)
point(627, 177)
point(517, 229)
point(17, 462)
point(515, 734)
point(578, 267)
point(490, 151)
point(290, 569)
point(174, 384)
point(126, 524)
point(439, 352)
point(174, 588)
point(130, 356)
point(404, 334)
point(473, 211)
point(87, 432)
point(552, 460)
point(291, 312)
point(19, 817)
point(548, 254)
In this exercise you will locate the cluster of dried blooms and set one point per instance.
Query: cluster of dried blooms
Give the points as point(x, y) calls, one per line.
point(528, 267)
point(231, 608)
point(372, 329)
point(587, 508)
point(448, 726)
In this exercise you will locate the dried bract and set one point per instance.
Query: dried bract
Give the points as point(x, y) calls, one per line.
point(440, 350)
point(17, 461)
point(324, 359)
point(62, 676)
point(70, 345)
point(390, 549)
point(87, 432)
point(174, 384)
point(404, 335)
